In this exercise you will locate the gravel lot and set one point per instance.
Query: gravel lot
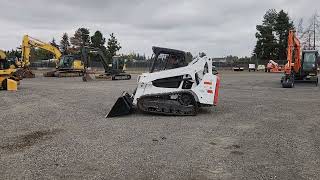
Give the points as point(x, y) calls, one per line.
point(55, 129)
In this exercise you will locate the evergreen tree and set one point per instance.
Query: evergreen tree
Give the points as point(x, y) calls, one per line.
point(272, 35)
point(113, 47)
point(40, 54)
point(282, 27)
point(266, 41)
point(64, 44)
point(81, 38)
point(98, 40)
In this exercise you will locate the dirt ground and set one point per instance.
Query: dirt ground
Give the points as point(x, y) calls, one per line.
point(56, 129)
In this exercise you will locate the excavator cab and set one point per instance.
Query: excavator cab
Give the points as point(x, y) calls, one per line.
point(7, 79)
point(70, 62)
point(309, 61)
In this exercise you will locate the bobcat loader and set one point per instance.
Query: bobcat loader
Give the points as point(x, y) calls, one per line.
point(172, 87)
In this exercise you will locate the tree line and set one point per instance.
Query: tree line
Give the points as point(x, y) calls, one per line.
point(271, 42)
point(82, 38)
point(73, 45)
point(272, 35)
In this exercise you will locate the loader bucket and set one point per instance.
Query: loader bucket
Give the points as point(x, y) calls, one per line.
point(123, 106)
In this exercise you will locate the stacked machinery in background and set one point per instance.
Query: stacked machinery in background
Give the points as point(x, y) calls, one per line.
point(66, 66)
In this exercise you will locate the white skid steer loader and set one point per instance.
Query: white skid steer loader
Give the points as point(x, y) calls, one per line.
point(172, 87)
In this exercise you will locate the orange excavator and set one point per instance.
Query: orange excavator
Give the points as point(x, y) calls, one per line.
point(299, 69)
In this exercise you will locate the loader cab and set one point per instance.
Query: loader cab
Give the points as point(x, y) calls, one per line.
point(309, 61)
point(4, 64)
point(166, 59)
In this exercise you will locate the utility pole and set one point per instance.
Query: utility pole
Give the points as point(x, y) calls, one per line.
point(309, 40)
point(314, 32)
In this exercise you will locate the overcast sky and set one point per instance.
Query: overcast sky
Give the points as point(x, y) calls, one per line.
point(218, 28)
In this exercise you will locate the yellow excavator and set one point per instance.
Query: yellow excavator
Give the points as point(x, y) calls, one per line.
point(66, 66)
point(24, 63)
point(8, 80)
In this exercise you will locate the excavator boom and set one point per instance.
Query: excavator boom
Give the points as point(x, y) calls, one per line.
point(293, 53)
point(28, 42)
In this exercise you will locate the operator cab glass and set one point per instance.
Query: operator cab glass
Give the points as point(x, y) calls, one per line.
point(66, 62)
point(165, 61)
point(2, 64)
point(309, 61)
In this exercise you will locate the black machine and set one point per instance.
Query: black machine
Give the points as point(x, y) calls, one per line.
point(113, 72)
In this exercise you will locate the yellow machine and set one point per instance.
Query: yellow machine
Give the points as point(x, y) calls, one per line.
point(66, 65)
point(7, 79)
point(28, 42)
point(22, 65)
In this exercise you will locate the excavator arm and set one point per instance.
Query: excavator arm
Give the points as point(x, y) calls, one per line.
point(29, 42)
point(103, 59)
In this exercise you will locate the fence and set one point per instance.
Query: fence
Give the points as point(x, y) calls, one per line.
point(139, 66)
point(43, 64)
point(244, 64)
point(143, 66)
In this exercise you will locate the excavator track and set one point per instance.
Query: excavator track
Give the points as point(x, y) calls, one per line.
point(176, 103)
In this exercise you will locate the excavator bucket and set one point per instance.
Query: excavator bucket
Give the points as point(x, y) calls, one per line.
point(24, 73)
point(123, 106)
point(88, 77)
